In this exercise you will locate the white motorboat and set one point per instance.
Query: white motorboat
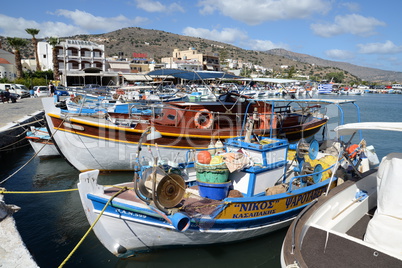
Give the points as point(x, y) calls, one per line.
point(357, 224)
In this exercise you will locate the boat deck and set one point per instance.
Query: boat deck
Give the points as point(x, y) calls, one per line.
point(320, 248)
point(190, 205)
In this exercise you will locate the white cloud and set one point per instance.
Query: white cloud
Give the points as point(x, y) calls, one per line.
point(233, 36)
point(82, 23)
point(15, 27)
point(156, 6)
point(339, 54)
point(380, 48)
point(352, 24)
point(90, 22)
point(263, 45)
point(227, 35)
point(255, 12)
point(352, 6)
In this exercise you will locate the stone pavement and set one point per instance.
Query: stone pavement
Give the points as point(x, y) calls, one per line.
point(10, 112)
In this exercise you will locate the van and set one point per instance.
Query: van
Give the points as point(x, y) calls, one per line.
point(16, 88)
point(22, 90)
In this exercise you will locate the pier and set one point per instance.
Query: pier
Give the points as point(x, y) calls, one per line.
point(15, 120)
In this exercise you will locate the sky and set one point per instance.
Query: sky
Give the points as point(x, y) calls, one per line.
point(362, 32)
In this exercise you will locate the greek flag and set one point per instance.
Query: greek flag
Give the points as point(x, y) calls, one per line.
point(324, 88)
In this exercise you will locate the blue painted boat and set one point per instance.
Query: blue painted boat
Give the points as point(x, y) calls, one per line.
point(268, 185)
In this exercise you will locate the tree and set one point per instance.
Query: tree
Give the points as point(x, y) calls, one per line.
point(53, 41)
point(16, 43)
point(34, 32)
point(336, 77)
point(291, 71)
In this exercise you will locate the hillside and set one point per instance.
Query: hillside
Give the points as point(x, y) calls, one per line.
point(158, 44)
point(364, 73)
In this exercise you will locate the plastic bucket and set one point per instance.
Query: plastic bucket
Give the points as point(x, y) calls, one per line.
point(218, 173)
point(216, 191)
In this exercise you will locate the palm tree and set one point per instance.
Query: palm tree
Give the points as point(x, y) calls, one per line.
point(16, 43)
point(34, 32)
point(53, 41)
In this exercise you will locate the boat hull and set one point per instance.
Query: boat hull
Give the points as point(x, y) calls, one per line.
point(129, 227)
point(44, 148)
point(101, 144)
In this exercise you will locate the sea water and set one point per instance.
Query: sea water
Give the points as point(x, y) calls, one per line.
point(51, 224)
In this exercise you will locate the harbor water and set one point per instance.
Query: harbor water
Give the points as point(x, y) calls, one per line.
point(51, 224)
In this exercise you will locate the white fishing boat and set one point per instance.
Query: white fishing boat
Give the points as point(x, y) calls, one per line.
point(41, 142)
point(352, 91)
point(258, 188)
point(357, 224)
point(106, 141)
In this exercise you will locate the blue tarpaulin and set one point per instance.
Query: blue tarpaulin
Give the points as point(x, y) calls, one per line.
point(192, 75)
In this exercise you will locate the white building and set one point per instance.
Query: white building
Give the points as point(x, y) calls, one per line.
point(80, 62)
point(7, 65)
point(191, 59)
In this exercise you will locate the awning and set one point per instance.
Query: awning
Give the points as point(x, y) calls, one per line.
point(349, 129)
point(136, 77)
point(191, 75)
point(271, 80)
point(119, 65)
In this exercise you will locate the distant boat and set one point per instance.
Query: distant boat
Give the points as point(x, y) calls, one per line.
point(352, 91)
point(41, 142)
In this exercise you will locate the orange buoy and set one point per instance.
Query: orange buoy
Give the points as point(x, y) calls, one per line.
point(204, 157)
point(352, 150)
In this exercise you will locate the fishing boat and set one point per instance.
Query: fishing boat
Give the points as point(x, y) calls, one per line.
point(357, 224)
point(351, 91)
point(41, 142)
point(106, 141)
point(255, 187)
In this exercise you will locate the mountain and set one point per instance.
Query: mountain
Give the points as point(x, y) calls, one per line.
point(158, 44)
point(364, 73)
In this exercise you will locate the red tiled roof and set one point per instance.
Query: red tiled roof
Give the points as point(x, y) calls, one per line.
point(4, 61)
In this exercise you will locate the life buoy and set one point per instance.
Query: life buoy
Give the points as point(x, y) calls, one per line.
point(265, 121)
point(120, 91)
point(203, 119)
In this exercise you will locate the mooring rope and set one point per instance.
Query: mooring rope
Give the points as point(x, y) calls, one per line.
point(18, 170)
point(91, 227)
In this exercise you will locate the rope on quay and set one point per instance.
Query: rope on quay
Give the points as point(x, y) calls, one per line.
point(26, 124)
point(4, 191)
point(91, 227)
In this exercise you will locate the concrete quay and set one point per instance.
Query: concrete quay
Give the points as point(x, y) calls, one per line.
point(13, 252)
point(15, 120)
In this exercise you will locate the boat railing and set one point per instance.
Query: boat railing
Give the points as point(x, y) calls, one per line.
point(302, 180)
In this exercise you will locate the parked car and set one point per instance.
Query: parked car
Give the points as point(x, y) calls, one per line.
point(41, 91)
point(13, 96)
point(19, 89)
point(61, 91)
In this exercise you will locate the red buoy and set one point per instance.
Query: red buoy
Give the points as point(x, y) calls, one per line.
point(204, 157)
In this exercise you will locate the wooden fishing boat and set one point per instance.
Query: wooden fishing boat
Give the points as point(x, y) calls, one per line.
point(198, 204)
point(107, 141)
point(41, 142)
point(357, 224)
